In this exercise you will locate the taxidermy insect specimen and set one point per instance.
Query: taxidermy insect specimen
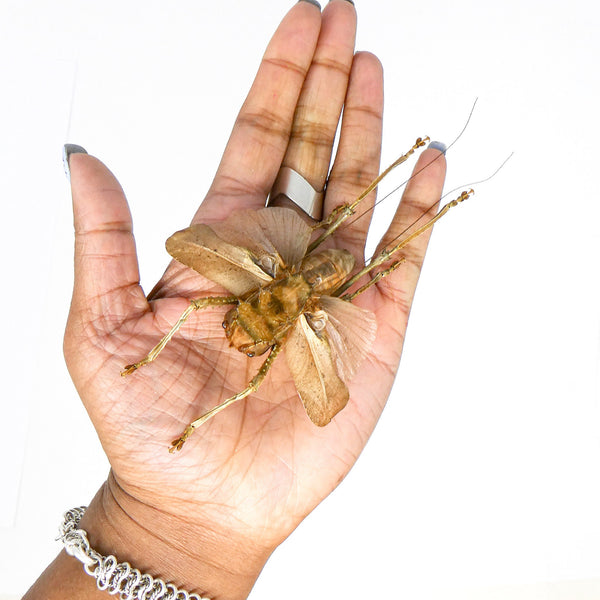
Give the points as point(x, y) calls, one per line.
point(287, 292)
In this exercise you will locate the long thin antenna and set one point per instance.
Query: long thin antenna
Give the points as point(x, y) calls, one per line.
point(366, 211)
point(72, 101)
point(475, 183)
point(468, 185)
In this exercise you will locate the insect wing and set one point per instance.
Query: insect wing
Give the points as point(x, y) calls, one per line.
point(351, 332)
point(244, 251)
point(229, 265)
point(314, 371)
point(276, 232)
point(288, 232)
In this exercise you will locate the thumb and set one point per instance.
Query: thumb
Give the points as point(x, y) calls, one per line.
point(106, 283)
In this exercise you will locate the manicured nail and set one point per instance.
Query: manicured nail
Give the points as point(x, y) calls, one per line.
point(438, 146)
point(312, 2)
point(69, 149)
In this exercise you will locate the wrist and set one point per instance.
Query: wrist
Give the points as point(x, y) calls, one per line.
point(195, 556)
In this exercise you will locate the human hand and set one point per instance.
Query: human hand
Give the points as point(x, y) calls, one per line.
point(213, 513)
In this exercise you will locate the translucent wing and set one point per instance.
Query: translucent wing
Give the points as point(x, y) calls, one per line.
point(231, 266)
point(351, 331)
point(313, 368)
point(288, 232)
point(269, 231)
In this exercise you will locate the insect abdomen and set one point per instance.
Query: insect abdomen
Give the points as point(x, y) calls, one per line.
point(327, 270)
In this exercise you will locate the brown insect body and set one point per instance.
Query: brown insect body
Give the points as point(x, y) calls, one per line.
point(265, 317)
point(282, 298)
point(289, 294)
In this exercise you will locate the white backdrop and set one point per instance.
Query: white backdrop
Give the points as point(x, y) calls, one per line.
point(482, 478)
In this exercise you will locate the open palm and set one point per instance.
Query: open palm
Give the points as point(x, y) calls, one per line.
point(260, 466)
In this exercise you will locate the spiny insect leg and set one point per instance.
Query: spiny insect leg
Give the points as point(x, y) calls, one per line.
point(379, 275)
point(388, 252)
point(250, 389)
point(194, 305)
point(339, 214)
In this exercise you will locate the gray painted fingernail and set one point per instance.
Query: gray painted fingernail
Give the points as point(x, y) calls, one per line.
point(312, 2)
point(69, 149)
point(438, 146)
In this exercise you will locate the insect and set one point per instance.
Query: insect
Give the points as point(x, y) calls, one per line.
point(288, 292)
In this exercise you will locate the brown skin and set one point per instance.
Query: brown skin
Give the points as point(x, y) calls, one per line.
point(208, 518)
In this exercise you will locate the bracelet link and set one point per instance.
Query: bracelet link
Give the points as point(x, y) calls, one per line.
point(110, 575)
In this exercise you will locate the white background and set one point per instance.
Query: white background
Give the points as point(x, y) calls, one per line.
point(482, 478)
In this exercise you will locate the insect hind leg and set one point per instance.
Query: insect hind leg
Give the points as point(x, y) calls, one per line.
point(377, 277)
point(194, 305)
point(249, 389)
point(389, 252)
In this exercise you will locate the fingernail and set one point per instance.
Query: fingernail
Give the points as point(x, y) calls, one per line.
point(69, 149)
point(438, 146)
point(312, 2)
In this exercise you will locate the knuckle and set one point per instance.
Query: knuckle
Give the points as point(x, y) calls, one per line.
point(263, 123)
point(286, 65)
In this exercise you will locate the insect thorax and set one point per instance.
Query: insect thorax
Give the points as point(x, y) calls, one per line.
point(264, 318)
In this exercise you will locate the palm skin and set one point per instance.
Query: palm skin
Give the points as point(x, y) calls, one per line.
point(258, 468)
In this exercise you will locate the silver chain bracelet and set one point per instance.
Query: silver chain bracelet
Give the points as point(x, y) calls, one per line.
point(110, 575)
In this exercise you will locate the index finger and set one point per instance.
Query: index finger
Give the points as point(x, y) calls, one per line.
point(260, 135)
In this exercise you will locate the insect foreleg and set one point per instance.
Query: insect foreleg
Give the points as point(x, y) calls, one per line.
point(339, 214)
point(388, 252)
point(194, 305)
point(250, 389)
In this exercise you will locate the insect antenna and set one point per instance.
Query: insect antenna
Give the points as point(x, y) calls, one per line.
point(413, 175)
point(398, 242)
point(445, 195)
point(473, 183)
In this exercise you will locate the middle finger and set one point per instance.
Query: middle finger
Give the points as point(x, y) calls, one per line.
point(322, 97)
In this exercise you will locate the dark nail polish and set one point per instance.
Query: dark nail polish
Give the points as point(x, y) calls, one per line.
point(438, 146)
point(312, 2)
point(69, 149)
